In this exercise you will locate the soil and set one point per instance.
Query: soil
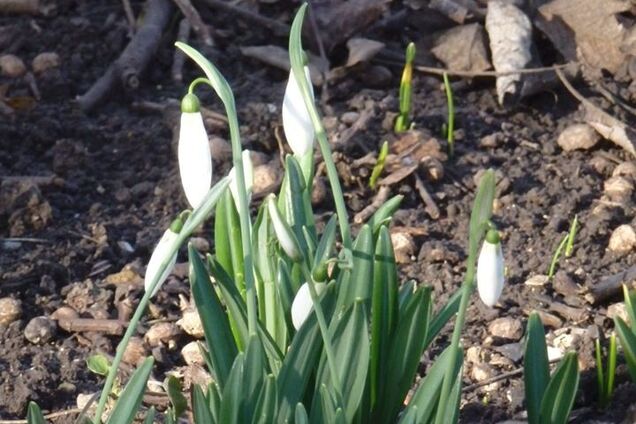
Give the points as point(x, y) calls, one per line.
point(85, 195)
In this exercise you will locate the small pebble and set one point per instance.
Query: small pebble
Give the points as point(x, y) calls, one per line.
point(618, 310)
point(490, 140)
point(12, 66)
point(162, 333)
point(267, 177)
point(623, 239)
point(40, 330)
point(10, 310)
point(349, 117)
point(191, 354)
point(403, 246)
point(45, 61)
point(625, 169)
point(537, 280)
point(506, 328)
point(618, 188)
point(200, 244)
point(190, 322)
point(135, 352)
point(578, 137)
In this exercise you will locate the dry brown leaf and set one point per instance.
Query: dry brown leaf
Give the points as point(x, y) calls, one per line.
point(587, 30)
point(510, 35)
point(362, 50)
point(463, 48)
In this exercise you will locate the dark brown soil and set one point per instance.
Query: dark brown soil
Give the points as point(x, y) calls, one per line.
point(84, 195)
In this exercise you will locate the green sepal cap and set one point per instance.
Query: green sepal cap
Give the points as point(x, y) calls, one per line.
point(410, 52)
point(190, 103)
point(492, 236)
point(177, 224)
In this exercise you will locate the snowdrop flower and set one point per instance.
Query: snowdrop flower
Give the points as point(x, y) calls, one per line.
point(159, 255)
point(248, 171)
point(285, 237)
point(303, 305)
point(490, 269)
point(195, 160)
point(299, 131)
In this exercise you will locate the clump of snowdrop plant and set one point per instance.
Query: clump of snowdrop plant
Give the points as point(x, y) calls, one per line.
point(301, 325)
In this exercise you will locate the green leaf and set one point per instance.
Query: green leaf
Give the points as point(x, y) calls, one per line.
point(178, 401)
point(265, 411)
point(34, 414)
point(214, 401)
point(536, 368)
point(630, 305)
point(233, 395)
point(324, 250)
point(130, 399)
point(360, 284)
point(150, 415)
point(384, 213)
point(300, 416)
point(628, 342)
point(301, 360)
point(482, 211)
point(222, 248)
point(254, 372)
point(561, 391)
point(216, 326)
point(443, 315)
point(384, 307)
point(406, 348)
point(426, 397)
point(350, 343)
point(98, 364)
point(200, 410)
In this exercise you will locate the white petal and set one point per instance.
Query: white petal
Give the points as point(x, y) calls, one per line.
point(195, 160)
point(299, 131)
point(282, 232)
point(158, 256)
point(490, 273)
point(303, 305)
point(248, 171)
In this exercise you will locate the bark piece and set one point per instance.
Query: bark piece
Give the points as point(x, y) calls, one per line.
point(463, 48)
point(510, 34)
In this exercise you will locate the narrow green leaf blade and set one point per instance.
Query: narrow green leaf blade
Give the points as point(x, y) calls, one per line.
point(265, 412)
point(482, 211)
point(561, 391)
point(178, 401)
point(384, 213)
point(536, 371)
point(34, 414)
point(628, 342)
point(200, 410)
point(359, 286)
point(218, 335)
point(233, 399)
point(130, 399)
point(150, 415)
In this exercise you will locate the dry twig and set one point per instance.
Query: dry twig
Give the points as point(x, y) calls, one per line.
point(192, 15)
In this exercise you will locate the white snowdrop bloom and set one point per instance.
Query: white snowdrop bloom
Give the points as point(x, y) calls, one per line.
point(248, 171)
point(303, 305)
point(490, 269)
point(299, 131)
point(160, 254)
point(195, 160)
point(284, 235)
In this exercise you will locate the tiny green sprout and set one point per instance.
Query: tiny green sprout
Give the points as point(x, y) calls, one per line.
point(450, 127)
point(605, 376)
point(402, 123)
point(574, 226)
point(98, 364)
point(379, 165)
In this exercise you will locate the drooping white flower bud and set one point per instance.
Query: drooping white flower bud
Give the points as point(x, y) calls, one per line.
point(285, 237)
point(299, 131)
point(303, 305)
point(195, 159)
point(248, 171)
point(162, 250)
point(490, 269)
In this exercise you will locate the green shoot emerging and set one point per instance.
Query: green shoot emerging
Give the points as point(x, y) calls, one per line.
point(379, 165)
point(403, 122)
point(567, 243)
point(450, 127)
point(605, 376)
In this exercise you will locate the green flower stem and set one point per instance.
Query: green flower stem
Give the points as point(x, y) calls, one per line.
point(324, 329)
point(467, 289)
point(297, 64)
point(194, 220)
point(222, 89)
point(197, 81)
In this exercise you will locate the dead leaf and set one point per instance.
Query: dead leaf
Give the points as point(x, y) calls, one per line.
point(510, 34)
point(463, 48)
point(362, 50)
point(597, 34)
point(278, 57)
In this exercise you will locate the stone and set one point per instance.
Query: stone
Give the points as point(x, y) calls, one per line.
point(267, 178)
point(45, 61)
point(463, 48)
point(506, 328)
point(490, 140)
point(191, 323)
point(618, 310)
point(136, 351)
point(625, 169)
point(200, 244)
point(564, 284)
point(163, 333)
point(12, 66)
point(618, 189)
point(350, 118)
point(578, 137)
point(40, 330)
point(623, 239)
point(191, 354)
point(403, 246)
point(512, 351)
point(10, 310)
point(537, 280)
